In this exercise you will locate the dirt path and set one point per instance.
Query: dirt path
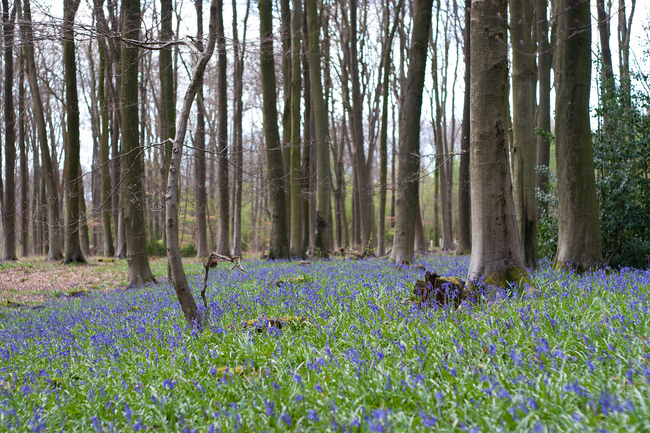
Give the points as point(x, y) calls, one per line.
point(34, 280)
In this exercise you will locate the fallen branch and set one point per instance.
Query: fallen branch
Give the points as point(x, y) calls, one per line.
point(213, 260)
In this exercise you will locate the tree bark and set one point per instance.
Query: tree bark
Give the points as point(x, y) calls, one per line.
point(296, 244)
point(9, 205)
point(24, 175)
point(496, 252)
point(181, 286)
point(579, 241)
point(134, 224)
point(167, 97)
point(104, 159)
point(287, 73)
point(321, 241)
point(237, 132)
point(544, 54)
point(409, 138)
point(73, 253)
point(223, 243)
point(366, 207)
point(54, 250)
point(464, 213)
point(279, 241)
point(523, 125)
point(199, 143)
point(383, 135)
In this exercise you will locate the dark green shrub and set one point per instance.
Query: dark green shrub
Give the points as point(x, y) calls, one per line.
point(188, 251)
point(156, 248)
point(622, 162)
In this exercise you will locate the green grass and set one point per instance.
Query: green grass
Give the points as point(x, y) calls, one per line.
point(575, 358)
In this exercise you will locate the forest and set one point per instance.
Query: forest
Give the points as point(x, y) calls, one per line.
point(325, 215)
point(316, 134)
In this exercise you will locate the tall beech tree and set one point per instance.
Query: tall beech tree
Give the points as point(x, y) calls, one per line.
point(133, 172)
point(223, 243)
point(383, 135)
point(279, 242)
point(9, 205)
point(321, 124)
point(167, 91)
point(51, 181)
point(73, 192)
point(523, 126)
point(496, 252)
point(22, 144)
point(296, 247)
point(464, 213)
point(366, 208)
point(408, 181)
point(199, 152)
point(239, 53)
point(544, 56)
point(179, 279)
point(579, 241)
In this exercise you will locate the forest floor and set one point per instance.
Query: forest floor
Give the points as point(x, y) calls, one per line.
point(328, 345)
point(33, 280)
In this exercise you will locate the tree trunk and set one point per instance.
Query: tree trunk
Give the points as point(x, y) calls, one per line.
point(54, 249)
point(223, 242)
point(523, 125)
point(287, 73)
point(607, 70)
point(199, 143)
point(420, 238)
point(9, 205)
point(624, 32)
point(296, 245)
point(238, 128)
point(134, 224)
point(544, 104)
point(279, 242)
point(365, 190)
point(321, 244)
point(579, 241)
point(383, 137)
point(464, 213)
point(84, 231)
point(73, 253)
point(308, 167)
point(167, 97)
point(496, 252)
point(409, 138)
point(24, 175)
point(181, 286)
point(104, 160)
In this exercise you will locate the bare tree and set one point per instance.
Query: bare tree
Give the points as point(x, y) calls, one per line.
point(199, 153)
point(73, 196)
point(136, 237)
point(321, 120)
point(279, 243)
point(296, 241)
point(9, 199)
point(181, 286)
point(223, 243)
point(27, 35)
point(409, 137)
